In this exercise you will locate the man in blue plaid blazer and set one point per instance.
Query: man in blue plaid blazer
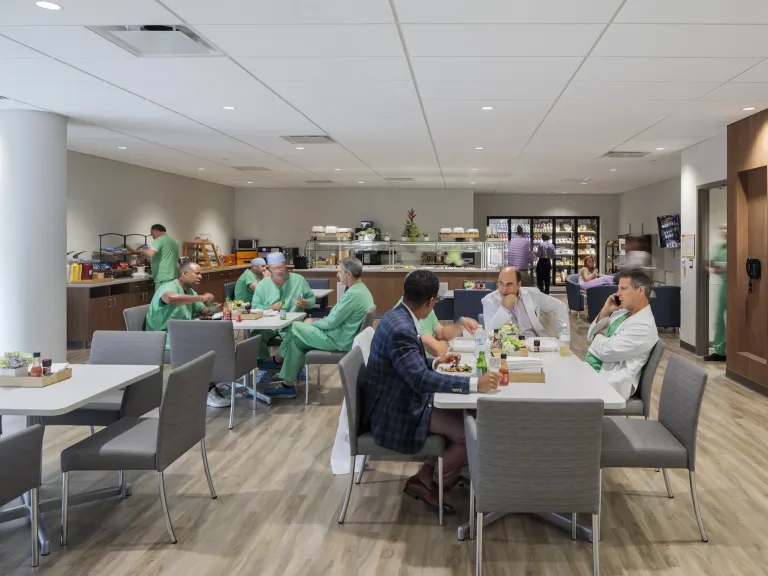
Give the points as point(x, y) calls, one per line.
point(401, 384)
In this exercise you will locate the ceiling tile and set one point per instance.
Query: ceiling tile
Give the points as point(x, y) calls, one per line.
point(282, 11)
point(493, 69)
point(500, 39)
point(694, 12)
point(203, 69)
point(684, 41)
point(12, 49)
point(65, 42)
point(306, 41)
point(506, 11)
point(42, 69)
point(615, 69)
point(501, 90)
point(350, 98)
point(86, 13)
point(331, 70)
point(758, 73)
point(633, 91)
point(740, 92)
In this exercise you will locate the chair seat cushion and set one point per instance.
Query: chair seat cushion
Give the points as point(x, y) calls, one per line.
point(633, 443)
point(434, 446)
point(128, 444)
point(323, 357)
point(634, 407)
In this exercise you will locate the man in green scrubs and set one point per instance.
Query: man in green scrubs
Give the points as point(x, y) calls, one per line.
point(246, 284)
point(719, 268)
point(333, 333)
point(436, 337)
point(163, 255)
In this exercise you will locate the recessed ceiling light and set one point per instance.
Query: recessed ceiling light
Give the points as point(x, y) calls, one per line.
point(487, 108)
point(228, 107)
point(201, 168)
point(122, 147)
point(748, 108)
point(337, 169)
point(361, 182)
point(471, 182)
point(613, 170)
point(474, 169)
point(583, 183)
point(48, 5)
point(478, 147)
point(659, 148)
point(250, 182)
point(299, 147)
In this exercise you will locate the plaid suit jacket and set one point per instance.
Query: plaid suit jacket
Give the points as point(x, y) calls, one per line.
point(400, 385)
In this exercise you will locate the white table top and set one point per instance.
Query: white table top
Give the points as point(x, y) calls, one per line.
point(88, 382)
point(567, 378)
point(269, 322)
point(321, 292)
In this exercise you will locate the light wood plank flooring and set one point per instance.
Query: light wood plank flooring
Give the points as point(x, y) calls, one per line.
point(278, 504)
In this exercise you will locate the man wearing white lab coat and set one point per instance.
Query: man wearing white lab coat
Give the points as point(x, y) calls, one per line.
point(624, 333)
point(510, 302)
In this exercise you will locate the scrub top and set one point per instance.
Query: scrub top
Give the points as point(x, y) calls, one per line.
point(159, 312)
point(295, 286)
point(428, 325)
point(165, 264)
point(243, 287)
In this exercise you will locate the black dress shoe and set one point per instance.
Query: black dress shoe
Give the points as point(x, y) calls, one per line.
point(714, 357)
point(418, 491)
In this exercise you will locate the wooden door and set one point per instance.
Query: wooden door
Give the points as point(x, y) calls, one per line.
point(100, 313)
point(136, 299)
point(119, 303)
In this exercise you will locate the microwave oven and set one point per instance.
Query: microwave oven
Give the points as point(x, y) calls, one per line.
point(246, 244)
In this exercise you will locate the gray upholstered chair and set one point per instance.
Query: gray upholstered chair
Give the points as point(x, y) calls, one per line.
point(352, 373)
point(481, 320)
point(193, 338)
point(670, 441)
point(639, 404)
point(22, 455)
point(127, 348)
point(148, 443)
point(229, 290)
point(324, 357)
point(135, 318)
point(534, 456)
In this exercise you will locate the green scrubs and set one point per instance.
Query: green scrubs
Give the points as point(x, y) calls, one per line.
point(159, 312)
point(593, 360)
point(427, 325)
point(267, 293)
point(243, 286)
point(721, 255)
point(333, 333)
point(165, 264)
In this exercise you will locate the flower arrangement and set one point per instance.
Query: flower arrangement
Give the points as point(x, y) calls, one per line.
point(411, 231)
point(14, 360)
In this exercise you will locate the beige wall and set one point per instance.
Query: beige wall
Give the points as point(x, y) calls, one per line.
point(285, 216)
point(604, 206)
point(108, 196)
point(638, 210)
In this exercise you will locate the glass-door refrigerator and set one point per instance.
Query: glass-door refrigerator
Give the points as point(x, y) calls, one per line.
point(565, 249)
point(587, 241)
point(499, 230)
point(540, 226)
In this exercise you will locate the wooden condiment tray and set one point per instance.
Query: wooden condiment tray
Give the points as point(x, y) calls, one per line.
point(32, 382)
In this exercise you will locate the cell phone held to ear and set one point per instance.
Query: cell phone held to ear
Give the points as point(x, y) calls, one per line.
point(616, 301)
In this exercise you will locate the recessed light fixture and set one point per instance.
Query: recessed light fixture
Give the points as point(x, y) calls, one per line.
point(748, 108)
point(201, 168)
point(613, 170)
point(487, 108)
point(659, 148)
point(250, 182)
point(478, 147)
point(48, 5)
point(228, 107)
point(471, 182)
point(474, 169)
point(299, 147)
point(337, 169)
point(361, 182)
point(583, 183)
point(122, 147)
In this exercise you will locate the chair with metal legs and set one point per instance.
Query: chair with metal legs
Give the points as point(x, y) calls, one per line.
point(534, 456)
point(21, 455)
point(148, 443)
point(670, 441)
point(639, 404)
point(352, 373)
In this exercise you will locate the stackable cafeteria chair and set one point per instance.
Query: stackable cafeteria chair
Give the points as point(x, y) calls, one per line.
point(639, 404)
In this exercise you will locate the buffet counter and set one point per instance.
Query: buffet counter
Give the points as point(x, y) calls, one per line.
point(386, 282)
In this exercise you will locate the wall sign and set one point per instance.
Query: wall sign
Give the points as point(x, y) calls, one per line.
point(688, 246)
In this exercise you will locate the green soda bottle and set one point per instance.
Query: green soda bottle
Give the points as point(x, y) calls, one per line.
point(482, 365)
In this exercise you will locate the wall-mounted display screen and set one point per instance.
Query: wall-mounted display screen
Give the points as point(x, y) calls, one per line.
point(669, 231)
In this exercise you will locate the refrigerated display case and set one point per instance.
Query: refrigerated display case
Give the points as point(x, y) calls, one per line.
point(565, 249)
point(586, 240)
point(499, 230)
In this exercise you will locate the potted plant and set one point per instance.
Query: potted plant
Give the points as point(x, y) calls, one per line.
point(411, 231)
point(370, 234)
point(426, 236)
point(361, 235)
point(15, 364)
point(387, 237)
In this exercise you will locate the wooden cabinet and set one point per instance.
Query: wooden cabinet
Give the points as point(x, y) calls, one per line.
point(100, 309)
point(119, 303)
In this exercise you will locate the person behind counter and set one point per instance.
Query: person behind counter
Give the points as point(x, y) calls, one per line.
point(177, 300)
point(163, 255)
point(333, 333)
point(246, 284)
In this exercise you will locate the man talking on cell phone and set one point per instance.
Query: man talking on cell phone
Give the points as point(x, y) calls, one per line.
point(624, 333)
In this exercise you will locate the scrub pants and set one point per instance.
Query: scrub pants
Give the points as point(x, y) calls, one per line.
point(266, 336)
point(719, 343)
point(300, 339)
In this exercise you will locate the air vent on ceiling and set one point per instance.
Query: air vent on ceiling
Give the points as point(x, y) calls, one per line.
point(157, 40)
point(615, 154)
point(318, 181)
point(252, 168)
point(319, 139)
point(399, 179)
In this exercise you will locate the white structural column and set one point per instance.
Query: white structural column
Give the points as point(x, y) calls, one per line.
point(33, 233)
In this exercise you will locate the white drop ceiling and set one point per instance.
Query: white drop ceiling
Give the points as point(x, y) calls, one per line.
point(399, 84)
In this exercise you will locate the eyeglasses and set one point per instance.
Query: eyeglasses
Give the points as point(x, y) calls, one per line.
point(438, 298)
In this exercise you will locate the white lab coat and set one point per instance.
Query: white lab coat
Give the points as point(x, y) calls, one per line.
point(625, 353)
point(494, 314)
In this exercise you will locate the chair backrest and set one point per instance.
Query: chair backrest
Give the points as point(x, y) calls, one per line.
point(352, 374)
point(596, 297)
point(665, 305)
point(183, 410)
point(191, 339)
point(136, 318)
point(133, 348)
point(538, 455)
point(229, 290)
point(318, 283)
point(481, 320)
point(682, 393)
point(22, 456)
point(647, 376)
point(368, 320)
point(468, 303)
point(573, 293)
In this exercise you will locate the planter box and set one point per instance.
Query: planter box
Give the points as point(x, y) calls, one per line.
point(14, 372)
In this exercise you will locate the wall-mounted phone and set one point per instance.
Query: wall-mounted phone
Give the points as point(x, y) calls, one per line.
point(753, 271)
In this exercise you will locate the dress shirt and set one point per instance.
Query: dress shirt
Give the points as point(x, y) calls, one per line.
point(546, 250)
point(519, 253)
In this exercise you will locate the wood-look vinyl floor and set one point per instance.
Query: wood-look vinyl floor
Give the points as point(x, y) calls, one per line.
point(278, 503)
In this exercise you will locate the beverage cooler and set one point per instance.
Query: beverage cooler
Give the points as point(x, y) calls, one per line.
point(574, 239)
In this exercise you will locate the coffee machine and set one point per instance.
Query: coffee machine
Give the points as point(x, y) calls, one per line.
point(291, 254)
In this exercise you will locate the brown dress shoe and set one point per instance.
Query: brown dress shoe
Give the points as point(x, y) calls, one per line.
point(427, 494)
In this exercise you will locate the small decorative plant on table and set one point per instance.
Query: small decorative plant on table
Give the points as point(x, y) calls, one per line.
point(411, 231)
point(15, 364)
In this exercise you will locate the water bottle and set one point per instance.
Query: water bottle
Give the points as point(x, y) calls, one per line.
point(481, 341)
point(565, 343)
